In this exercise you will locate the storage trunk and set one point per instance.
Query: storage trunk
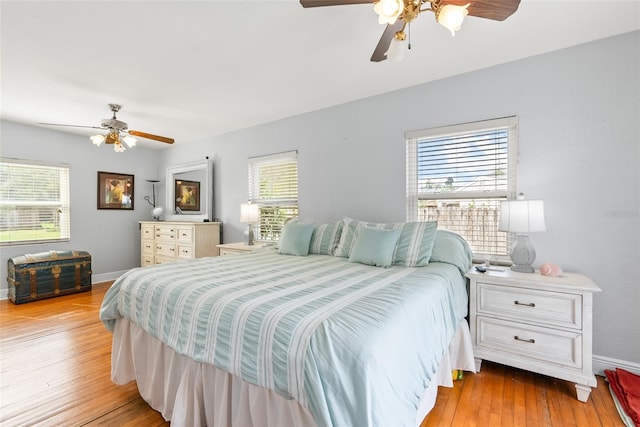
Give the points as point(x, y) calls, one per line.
point(48, 274)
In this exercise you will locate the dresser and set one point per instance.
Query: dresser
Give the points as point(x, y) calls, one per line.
point(163, 241)
point(533, 322)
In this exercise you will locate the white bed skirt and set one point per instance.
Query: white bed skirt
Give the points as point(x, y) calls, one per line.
point(189, 393)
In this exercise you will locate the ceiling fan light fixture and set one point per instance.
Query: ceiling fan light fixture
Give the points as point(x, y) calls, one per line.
point(388, 10)
point(118, 147)
point(97, 139)
point(451, 16)
point(130, 141)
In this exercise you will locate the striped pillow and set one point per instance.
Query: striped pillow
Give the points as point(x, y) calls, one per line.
point(414, 246)
point(325, 238)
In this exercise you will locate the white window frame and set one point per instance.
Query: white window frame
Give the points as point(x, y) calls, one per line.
point(11, 208)
point(288, 203)
point(414, 196)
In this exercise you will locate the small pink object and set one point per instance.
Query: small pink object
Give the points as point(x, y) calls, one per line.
point(549, 269)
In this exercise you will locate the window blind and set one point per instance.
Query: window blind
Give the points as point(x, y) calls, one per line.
point(458, 175)
point(273, 186)
point(34, 202)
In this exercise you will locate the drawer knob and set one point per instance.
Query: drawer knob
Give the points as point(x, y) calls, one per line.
point(530, 341)
point(527, 304)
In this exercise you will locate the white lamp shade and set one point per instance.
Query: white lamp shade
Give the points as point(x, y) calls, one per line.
point(522, 216)
point(249, 212)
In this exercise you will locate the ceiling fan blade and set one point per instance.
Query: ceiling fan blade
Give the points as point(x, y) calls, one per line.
point(151, 136)
point(497, 10)
point(380, 53)
point(72, 126)
point(321, 3)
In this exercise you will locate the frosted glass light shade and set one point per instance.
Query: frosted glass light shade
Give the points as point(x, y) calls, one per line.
point(396, 51)
point(130, 141)
point(97, 139)
point(249, 213)
point(388, 10)
point(451, 16)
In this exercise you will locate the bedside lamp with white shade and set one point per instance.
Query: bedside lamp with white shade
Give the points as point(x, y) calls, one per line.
point(522, 217)
point(249, 214)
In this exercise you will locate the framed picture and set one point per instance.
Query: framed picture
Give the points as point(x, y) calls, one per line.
point(187, 195)
point(115, 191)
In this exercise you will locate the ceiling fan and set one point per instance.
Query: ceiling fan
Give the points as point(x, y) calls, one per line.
point(115, 128)
point(398, 13)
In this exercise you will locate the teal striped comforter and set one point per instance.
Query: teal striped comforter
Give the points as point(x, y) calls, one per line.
point(355, 344)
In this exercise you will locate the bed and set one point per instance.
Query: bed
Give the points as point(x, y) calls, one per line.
point(323, 331)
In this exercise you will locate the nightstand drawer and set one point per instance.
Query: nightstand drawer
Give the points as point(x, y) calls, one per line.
point(530, 305)
point(530, 342)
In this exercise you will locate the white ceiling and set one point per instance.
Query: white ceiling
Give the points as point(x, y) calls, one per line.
point(195, 69)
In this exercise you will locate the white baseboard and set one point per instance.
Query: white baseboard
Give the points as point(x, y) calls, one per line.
point(106, 277)
point(600, 363)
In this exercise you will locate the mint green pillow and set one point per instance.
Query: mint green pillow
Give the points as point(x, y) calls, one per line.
point(374, 246)
point(295, 239)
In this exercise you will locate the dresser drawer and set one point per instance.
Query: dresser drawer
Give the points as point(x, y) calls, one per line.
point(530, 342)
point(165, 249)
point(162, 260)
point(166, 233)
point(148, 247)
point(147, 231)
point(185, 234)
point(185, 251)
point(530, 305)
point(147, 260)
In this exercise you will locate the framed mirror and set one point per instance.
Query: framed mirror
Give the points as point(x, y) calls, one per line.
point(189, 192)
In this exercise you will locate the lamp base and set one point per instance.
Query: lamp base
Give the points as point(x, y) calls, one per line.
point(522, 254)
point(249, 236)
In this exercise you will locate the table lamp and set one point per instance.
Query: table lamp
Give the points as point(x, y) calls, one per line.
point(522, 217)
point(249, 214)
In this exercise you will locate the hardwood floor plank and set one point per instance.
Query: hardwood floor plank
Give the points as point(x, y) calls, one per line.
point(55, 363)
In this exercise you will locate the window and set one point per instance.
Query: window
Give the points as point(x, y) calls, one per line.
point(273, 185)
point(458, 175)
point(34, 202)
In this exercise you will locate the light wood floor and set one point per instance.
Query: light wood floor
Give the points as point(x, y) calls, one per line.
point(55, 365)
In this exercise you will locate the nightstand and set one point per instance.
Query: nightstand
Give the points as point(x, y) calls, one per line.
point(236, 248)
point(539, 323)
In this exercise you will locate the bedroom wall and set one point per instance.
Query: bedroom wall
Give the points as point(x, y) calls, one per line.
point(110, 236)
point(579, 141)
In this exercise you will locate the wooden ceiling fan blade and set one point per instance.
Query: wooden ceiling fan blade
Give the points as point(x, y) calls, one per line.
point(71, 126)
point(151, 136)
point(496, 10)
point(380, 52)
point(322, 3)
